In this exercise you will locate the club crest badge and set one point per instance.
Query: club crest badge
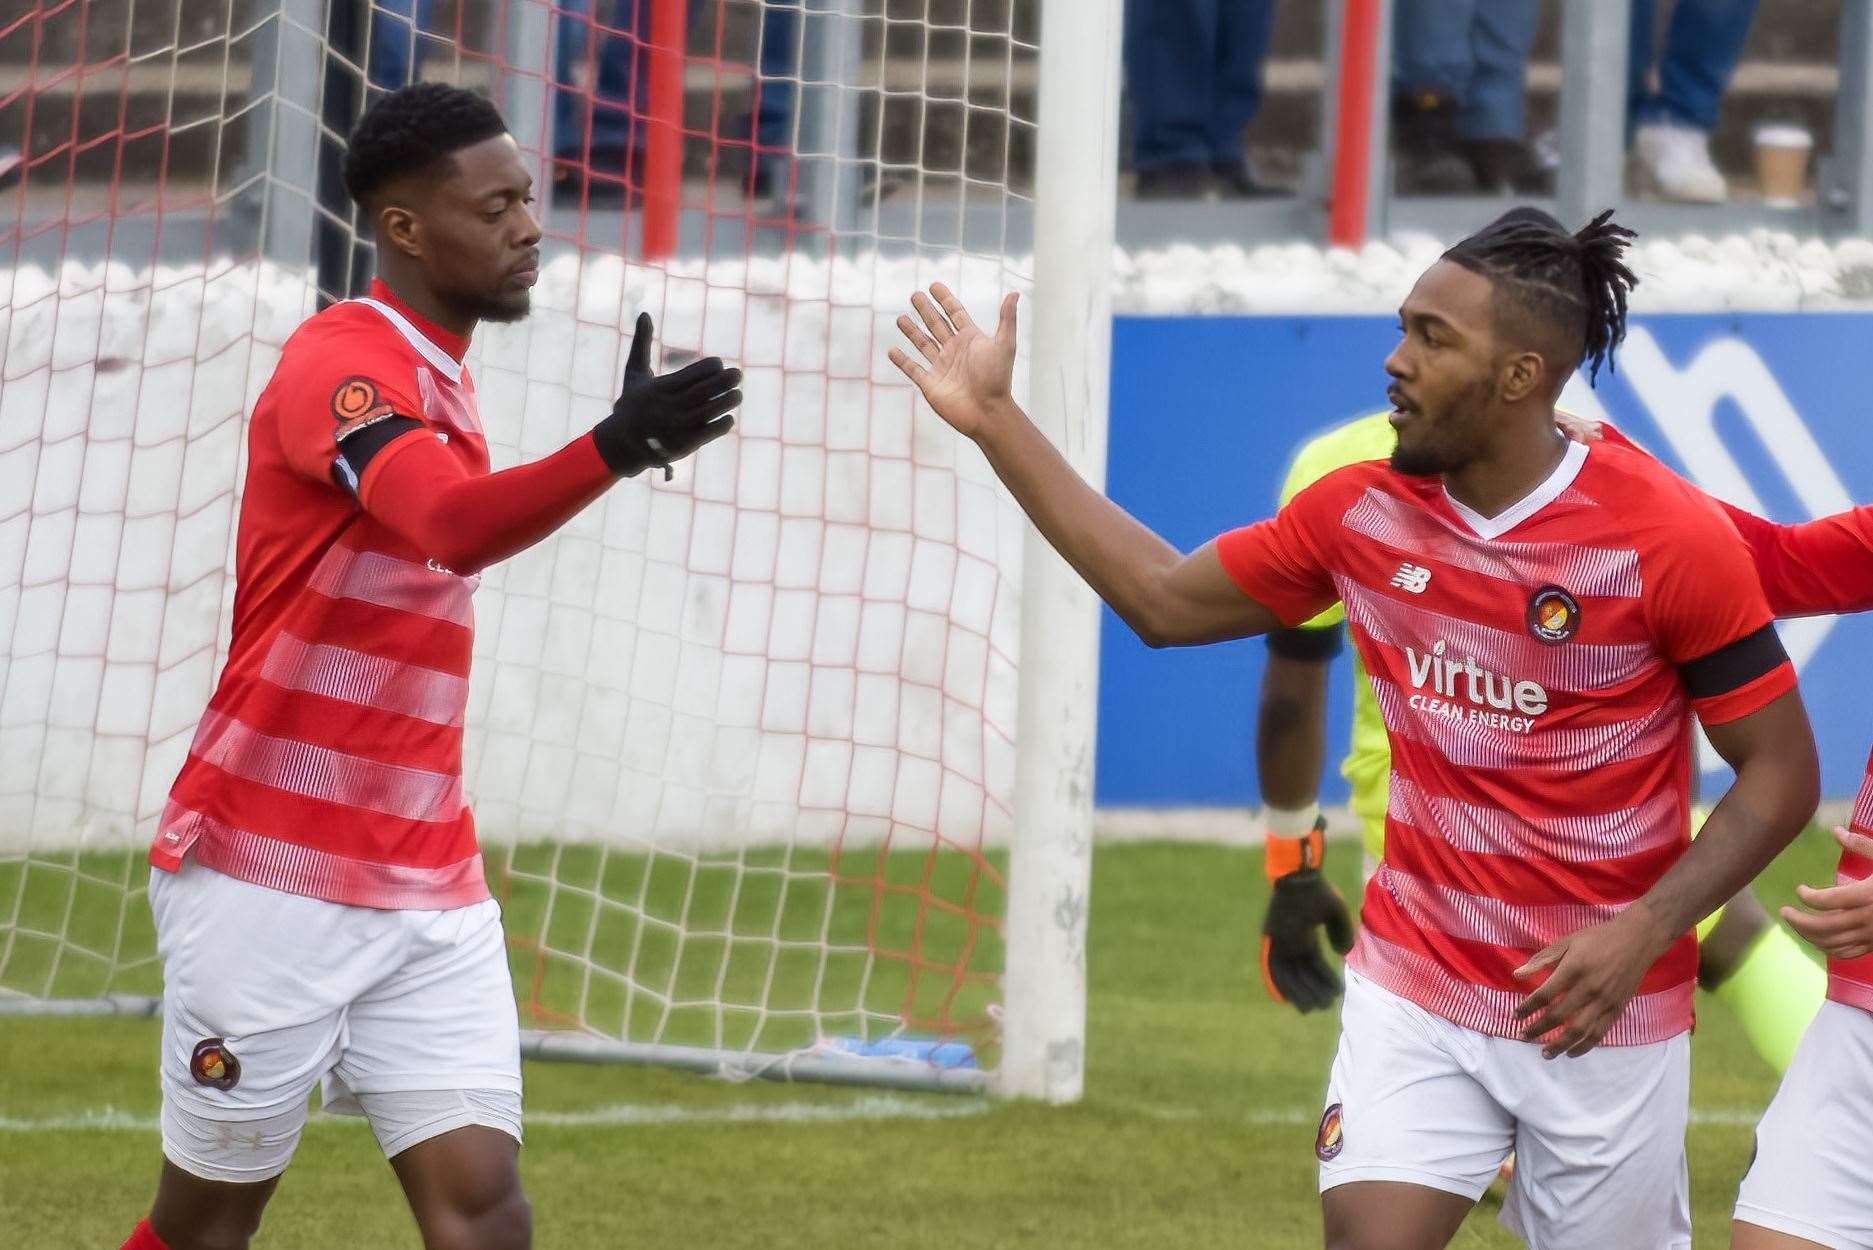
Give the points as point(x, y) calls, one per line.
point(1553, 615)
point(356, 403)
point(214, 1065)
point(1330, 1139)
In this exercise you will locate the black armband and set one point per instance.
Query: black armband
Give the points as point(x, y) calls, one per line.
point(1735, 665)
point(1307, 644)
point(358, 447)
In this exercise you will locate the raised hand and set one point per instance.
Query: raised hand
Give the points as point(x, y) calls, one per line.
point(659, 420)
point(968, 373)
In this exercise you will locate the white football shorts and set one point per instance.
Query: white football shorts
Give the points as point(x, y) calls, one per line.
point(1809, 1176)
point(1598, 1141)
point(405, 1017)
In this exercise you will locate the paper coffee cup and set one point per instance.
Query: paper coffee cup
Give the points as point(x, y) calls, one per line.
point(1782, 153)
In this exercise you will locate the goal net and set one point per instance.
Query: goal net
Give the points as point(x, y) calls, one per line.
point(742, 745)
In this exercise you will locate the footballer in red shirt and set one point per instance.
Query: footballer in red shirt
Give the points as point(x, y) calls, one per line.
point(320, 904)
point(1539, 618)
point(1807, 1184)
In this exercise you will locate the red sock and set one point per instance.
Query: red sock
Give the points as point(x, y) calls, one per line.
point(143, 1237)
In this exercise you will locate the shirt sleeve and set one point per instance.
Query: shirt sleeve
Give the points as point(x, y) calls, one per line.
point(1282, 563)
point(341, 393)
point(1710, 619)
point(1818, 566)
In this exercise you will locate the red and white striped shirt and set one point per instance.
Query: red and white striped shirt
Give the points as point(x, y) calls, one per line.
point(329, 761)
point(1529, 668)
point(1824, 566)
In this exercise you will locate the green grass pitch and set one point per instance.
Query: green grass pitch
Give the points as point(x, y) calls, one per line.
point(1196, 1130)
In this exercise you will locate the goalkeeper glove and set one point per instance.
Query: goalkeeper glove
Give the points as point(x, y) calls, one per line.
point(659, 420)
point(1293, 968)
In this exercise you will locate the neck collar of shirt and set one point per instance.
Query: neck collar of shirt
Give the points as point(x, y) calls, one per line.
point(454, 346)
point(1528, 505)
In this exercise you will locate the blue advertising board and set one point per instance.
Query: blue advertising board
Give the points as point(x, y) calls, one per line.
point(1768, 410)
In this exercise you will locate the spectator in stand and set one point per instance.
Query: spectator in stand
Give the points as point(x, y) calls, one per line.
point(395, 56)
point(1195, 72)
point(1671, 125)
point(599, 104)
point(1459, 102)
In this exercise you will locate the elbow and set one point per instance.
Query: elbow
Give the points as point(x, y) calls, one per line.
point(1152, 638)
point(1151, 627)
point(457, 557)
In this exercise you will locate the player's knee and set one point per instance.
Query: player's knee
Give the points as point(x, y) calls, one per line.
point(497, 1222)
point(220, 1231)
point(1377, 1239)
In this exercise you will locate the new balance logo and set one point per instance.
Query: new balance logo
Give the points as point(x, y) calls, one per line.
point(1412, 578)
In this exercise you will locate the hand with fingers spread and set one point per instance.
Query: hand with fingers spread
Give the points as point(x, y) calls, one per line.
point(1595, 973)
point(1839, 921)
point(660, 419)
point(968, 375)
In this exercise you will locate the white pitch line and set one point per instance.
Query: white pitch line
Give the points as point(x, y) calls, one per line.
point(1717, 1117)
point(878, 1107)
point(875, 1107)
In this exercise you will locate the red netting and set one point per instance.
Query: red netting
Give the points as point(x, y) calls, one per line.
point(741, 744)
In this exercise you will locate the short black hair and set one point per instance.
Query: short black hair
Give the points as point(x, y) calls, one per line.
point(410, 131)
point(1568, 290)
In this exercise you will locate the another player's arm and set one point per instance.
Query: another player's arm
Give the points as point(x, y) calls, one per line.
point(409, 481)
point(1166, 597)
point(1290, 750)
point(1824, 565)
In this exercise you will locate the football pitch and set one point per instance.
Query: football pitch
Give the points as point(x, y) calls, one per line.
point(1196, 1130)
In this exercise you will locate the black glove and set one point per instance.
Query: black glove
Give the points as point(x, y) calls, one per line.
point(658, 420)
point(1293, 967)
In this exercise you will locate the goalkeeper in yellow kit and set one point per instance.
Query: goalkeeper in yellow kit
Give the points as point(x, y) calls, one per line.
point(1750, 962)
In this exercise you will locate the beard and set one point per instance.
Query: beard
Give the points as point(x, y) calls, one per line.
point(504, 308)
point(501, 306)
point(1452, 437)
point(1418, 461)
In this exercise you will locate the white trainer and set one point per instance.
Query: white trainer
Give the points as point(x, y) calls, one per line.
point(1673, 163)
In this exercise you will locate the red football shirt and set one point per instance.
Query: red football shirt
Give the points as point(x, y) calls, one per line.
point(329, 760)
point(1531, 669)
point(1824, 566)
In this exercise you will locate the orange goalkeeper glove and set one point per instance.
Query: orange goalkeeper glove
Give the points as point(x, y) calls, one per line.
point(1293, 968)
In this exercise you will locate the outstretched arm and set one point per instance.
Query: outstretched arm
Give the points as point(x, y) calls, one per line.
point(405, 478)
point(1168, 598)
point(1818, 566)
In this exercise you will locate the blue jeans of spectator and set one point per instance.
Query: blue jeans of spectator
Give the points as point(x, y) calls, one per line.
point(1473, 51)
point(612, 100)
point(617, 94)
point(395, 55)
point(1702, 47)
point(1195, 71)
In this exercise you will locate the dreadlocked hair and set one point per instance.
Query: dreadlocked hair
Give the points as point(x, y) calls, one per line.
point(1564, 291)
point(412, 130)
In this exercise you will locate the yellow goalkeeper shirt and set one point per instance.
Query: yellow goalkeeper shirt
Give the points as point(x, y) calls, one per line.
point(1368, 763)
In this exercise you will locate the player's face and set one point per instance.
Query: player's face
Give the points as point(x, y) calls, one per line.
point(1443, 371)
point(484, 253)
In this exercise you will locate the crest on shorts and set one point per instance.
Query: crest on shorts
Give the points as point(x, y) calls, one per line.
point(214, 1064)
point(356, 403)
point(1553, 615)
point(1331, 1138)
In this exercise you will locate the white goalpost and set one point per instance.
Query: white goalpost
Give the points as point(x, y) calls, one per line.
point(782, 768)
